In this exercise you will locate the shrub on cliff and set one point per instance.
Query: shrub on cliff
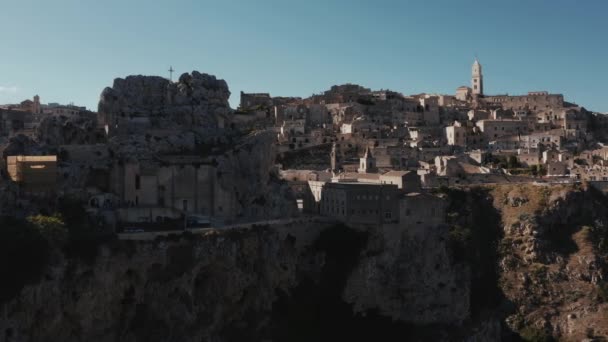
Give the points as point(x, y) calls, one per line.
point(24, 254)
point(83, 238)
point(531, 334)
point(52, 228)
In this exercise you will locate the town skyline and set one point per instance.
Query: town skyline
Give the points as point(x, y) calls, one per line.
point(197, 170)
point(388, 48)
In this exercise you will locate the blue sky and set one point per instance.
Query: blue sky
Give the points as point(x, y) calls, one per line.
point(69, 50)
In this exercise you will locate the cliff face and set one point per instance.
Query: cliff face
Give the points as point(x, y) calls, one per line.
point(410, 276)
point(188, 289)
point(553, 261)
point(247, 173)
point(511, 261)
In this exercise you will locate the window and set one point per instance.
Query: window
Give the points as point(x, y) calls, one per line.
point(137, 182)
point(388, 215)
point(185, 205)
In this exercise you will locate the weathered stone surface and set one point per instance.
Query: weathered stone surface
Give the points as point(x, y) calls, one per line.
point(196, 100)
point(21, 145)
point(247, 172)
point(63, 130)
point(411, 278)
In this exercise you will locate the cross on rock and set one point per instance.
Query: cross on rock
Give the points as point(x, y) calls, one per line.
point(171, 73)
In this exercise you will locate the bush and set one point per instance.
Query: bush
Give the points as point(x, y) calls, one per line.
point(24, 254)
point(51, 228)
point(531, 334)
point(83, 238)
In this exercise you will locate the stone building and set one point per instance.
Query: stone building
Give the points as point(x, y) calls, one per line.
point(67, 110)
point(463, 93)
point(544, 140)
point(557, 168)
point(342, 94)
point(464, 135)
point(575, 123)
point(406, 181)
point(255, 101)
point(533, 101)
point(417, 209)
point(33, 173)
point(358, 203)
point(492, 129)
point(554, 155)
point(293, 127)
point(590, 173)
point(478, 114)
point(529, 157)
point(456, 134)
point(170, 187)
point(31, 106)
point(298, 182)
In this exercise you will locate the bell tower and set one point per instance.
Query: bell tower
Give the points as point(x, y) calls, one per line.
point(367, 164)
point(477, 79)
point(37, 109)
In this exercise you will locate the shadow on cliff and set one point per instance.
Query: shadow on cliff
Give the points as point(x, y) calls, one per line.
point(475, 232)
point(314, 309)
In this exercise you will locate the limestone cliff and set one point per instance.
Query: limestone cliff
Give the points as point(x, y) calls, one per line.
point(511, 262)
point(553, 260)
point(195, 100)
point(247, 173)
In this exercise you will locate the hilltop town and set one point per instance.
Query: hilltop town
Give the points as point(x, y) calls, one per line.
point(354, 214)
point(163, 155)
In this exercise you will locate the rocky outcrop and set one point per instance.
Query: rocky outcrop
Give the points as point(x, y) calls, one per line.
point(63, 130)
point(553, 260)
point(247, 172)
point(21, 145)
point(140, 102)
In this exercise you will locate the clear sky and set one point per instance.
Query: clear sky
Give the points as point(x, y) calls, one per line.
point(69, 50)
